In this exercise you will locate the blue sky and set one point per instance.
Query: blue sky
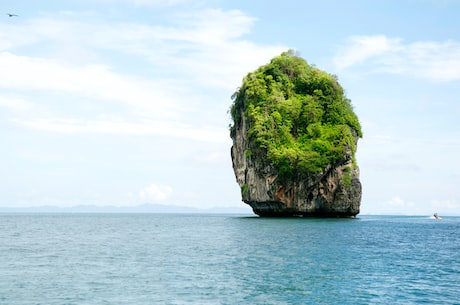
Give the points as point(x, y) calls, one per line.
point(124, 102)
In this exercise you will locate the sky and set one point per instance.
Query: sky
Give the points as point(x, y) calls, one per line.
point(125, 102)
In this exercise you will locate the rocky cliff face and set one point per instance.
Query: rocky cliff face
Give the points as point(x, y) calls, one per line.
point(335, 192)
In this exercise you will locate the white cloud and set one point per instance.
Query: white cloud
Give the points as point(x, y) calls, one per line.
point(154, 3)
point(90, 81)
point(445, 205)
point(16, 104)
point(158, 2)
point(400, 203)
point(397, 205)
point(209, 158)
point(436, 61)
point(199, 52)
point(122, 127)
point(205, 47)
point(156, 192)
point(362, 48)
point(202, 45)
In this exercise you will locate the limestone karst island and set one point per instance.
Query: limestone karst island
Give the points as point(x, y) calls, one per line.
point(295, 136)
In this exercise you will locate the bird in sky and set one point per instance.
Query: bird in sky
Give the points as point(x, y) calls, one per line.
point(12, 15)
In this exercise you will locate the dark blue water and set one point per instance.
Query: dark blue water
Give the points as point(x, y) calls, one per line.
point(227, 259)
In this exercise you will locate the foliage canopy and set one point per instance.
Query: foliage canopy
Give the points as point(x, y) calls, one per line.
point(297, 114)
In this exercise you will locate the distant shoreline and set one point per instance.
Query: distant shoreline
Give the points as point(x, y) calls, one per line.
point(162, 209)
point(145, 208)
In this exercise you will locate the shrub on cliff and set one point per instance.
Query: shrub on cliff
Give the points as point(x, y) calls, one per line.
point(297, 115)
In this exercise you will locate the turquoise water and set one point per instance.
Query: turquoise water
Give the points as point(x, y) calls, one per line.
point(227, 259)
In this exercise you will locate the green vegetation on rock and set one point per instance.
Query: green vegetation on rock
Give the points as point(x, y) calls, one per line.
point(297, 115)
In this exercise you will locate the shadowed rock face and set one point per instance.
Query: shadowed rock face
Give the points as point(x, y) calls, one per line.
point(335, 192)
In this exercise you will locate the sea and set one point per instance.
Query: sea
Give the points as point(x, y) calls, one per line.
point(135, 259)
